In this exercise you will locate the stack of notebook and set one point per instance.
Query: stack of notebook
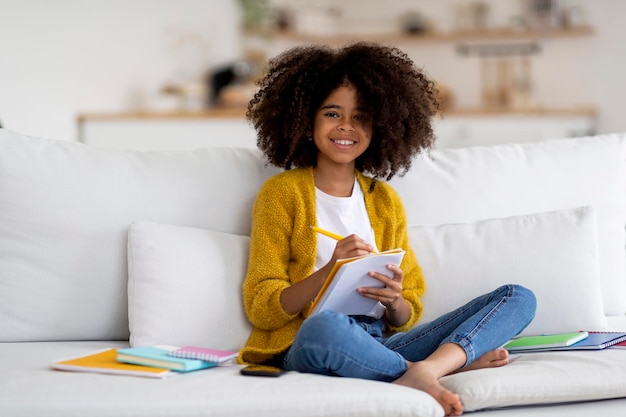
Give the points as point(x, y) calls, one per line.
point(152, 361)
point(566, 341)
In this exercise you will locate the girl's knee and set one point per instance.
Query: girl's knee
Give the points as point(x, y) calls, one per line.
point(526, 300)
point(526, 295)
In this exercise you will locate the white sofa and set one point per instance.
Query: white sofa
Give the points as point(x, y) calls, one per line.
point(106, 248)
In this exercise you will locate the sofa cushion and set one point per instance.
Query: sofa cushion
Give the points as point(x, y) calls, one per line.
point(536, 378)
point(65, 209)
point(184, 286)
point(471, 184)
point(555, 254)
point(543, 378)
point(28, 389)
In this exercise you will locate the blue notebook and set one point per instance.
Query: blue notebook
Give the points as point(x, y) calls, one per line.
point(599, 340)
point(159, 358)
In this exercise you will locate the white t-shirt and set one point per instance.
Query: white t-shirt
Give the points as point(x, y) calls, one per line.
point(344, 216)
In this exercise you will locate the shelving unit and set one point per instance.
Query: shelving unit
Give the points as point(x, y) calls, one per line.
point(467, 126)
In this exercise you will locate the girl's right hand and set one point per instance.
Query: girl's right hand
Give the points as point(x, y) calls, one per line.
point(350, 247)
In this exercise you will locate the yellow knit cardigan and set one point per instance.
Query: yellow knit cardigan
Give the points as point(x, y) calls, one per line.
point(283, 250)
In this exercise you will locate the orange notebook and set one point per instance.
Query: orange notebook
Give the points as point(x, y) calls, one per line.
point(105, 362)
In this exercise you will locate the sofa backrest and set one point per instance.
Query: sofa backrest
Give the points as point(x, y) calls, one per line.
point(66, 209)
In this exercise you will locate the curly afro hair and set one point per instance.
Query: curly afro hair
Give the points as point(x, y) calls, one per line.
point(396, 96)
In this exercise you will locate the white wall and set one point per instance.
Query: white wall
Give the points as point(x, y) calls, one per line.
point(607, 78)
point(59, 58)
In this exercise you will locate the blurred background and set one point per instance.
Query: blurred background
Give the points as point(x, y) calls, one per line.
point(177, 74)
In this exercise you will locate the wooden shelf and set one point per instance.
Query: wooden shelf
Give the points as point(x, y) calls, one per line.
point(491, 35)
point(584, 111)
point(240, 113)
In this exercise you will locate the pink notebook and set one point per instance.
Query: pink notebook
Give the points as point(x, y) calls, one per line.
point(205, 354)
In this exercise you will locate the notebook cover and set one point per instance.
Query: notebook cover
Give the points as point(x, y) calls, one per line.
point(205, 354)
point(600, 340)
point(105, 362)
point(338, 292)
point(159, 358)
point(545, 341)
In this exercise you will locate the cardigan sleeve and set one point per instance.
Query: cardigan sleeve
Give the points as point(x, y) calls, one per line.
point(269, 257)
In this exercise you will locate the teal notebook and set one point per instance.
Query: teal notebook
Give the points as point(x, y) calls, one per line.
point(545, 342)
point(159, 358)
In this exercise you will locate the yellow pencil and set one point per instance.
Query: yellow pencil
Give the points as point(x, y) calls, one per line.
point(327, 233)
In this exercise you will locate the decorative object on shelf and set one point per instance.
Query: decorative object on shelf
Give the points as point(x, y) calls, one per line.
point(184, 88)
point(318, 20)
point(282, 18)
point(573, 16)
point(472, 16)
point(254, 13)
point(522, 92)
point(232, 85)
point(506, 82)
point(505, 72)
point(445, 97)
point(413, 23)
point(479, 13)
point(544, 14)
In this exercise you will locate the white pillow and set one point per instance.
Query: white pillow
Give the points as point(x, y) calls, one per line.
point(543, 378)
point(184, 286)
point(470, 184)
point(554, 254)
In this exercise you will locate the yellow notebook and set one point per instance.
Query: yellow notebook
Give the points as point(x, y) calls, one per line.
point(339, 290)
point(105, 362)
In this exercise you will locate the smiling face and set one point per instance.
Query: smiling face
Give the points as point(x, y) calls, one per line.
point(341, 130)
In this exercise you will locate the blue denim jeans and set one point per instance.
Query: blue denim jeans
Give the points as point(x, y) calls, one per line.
point(330, 343)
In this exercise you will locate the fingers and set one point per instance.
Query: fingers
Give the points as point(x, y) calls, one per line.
point(395, 281)
point(352, 246)
point(391, 292)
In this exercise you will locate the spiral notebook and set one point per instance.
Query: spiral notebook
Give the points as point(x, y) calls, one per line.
point(602, 340)
point(339, 293)
point(204, 354)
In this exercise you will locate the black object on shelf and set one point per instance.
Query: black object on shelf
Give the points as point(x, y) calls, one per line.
point(238, 71)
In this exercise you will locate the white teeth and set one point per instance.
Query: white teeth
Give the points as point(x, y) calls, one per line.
point(344, 142)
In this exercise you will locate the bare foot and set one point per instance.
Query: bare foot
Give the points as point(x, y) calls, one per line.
point(492, 359)
point(420, 376)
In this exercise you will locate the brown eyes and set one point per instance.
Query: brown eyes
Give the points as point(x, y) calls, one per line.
point(359, 117)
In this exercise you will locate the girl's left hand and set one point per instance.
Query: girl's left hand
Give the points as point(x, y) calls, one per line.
point(391, 294)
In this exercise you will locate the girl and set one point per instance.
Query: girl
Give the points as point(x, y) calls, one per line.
point(328, 116)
